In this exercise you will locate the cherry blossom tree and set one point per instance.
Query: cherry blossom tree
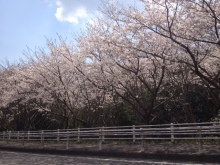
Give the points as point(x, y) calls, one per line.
point(150, 60)
point(173, 31)
point(190, 27)
point(131, 73)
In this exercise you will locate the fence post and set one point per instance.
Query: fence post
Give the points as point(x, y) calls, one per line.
point(28, 135)
point(100, 139)
point(18, 134)
point(8, 136)
point(142, 139)
point(199, 139)
point(3, 135)
point(67, 140)
point(133, 131)
point(172, 132)
point(22, 140)
point(103, 136)
point(78, 135)
point(58, 135)
point(42, 138)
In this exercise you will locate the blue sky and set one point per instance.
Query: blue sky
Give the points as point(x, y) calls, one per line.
point(29, 22)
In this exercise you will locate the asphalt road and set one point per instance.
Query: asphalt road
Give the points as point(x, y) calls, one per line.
point(17, 158)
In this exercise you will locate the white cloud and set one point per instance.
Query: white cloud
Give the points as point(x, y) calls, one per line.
point(74, 10)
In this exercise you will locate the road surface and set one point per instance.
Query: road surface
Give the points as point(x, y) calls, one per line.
point(15, 158)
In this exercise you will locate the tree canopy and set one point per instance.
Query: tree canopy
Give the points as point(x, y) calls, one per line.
point(158, 64)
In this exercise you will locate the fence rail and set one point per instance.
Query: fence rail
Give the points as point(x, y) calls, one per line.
point(141, 133)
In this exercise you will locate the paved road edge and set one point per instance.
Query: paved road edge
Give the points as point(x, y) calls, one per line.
point(165, 157)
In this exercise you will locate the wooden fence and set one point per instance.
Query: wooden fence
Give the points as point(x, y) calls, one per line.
point(141, 133)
